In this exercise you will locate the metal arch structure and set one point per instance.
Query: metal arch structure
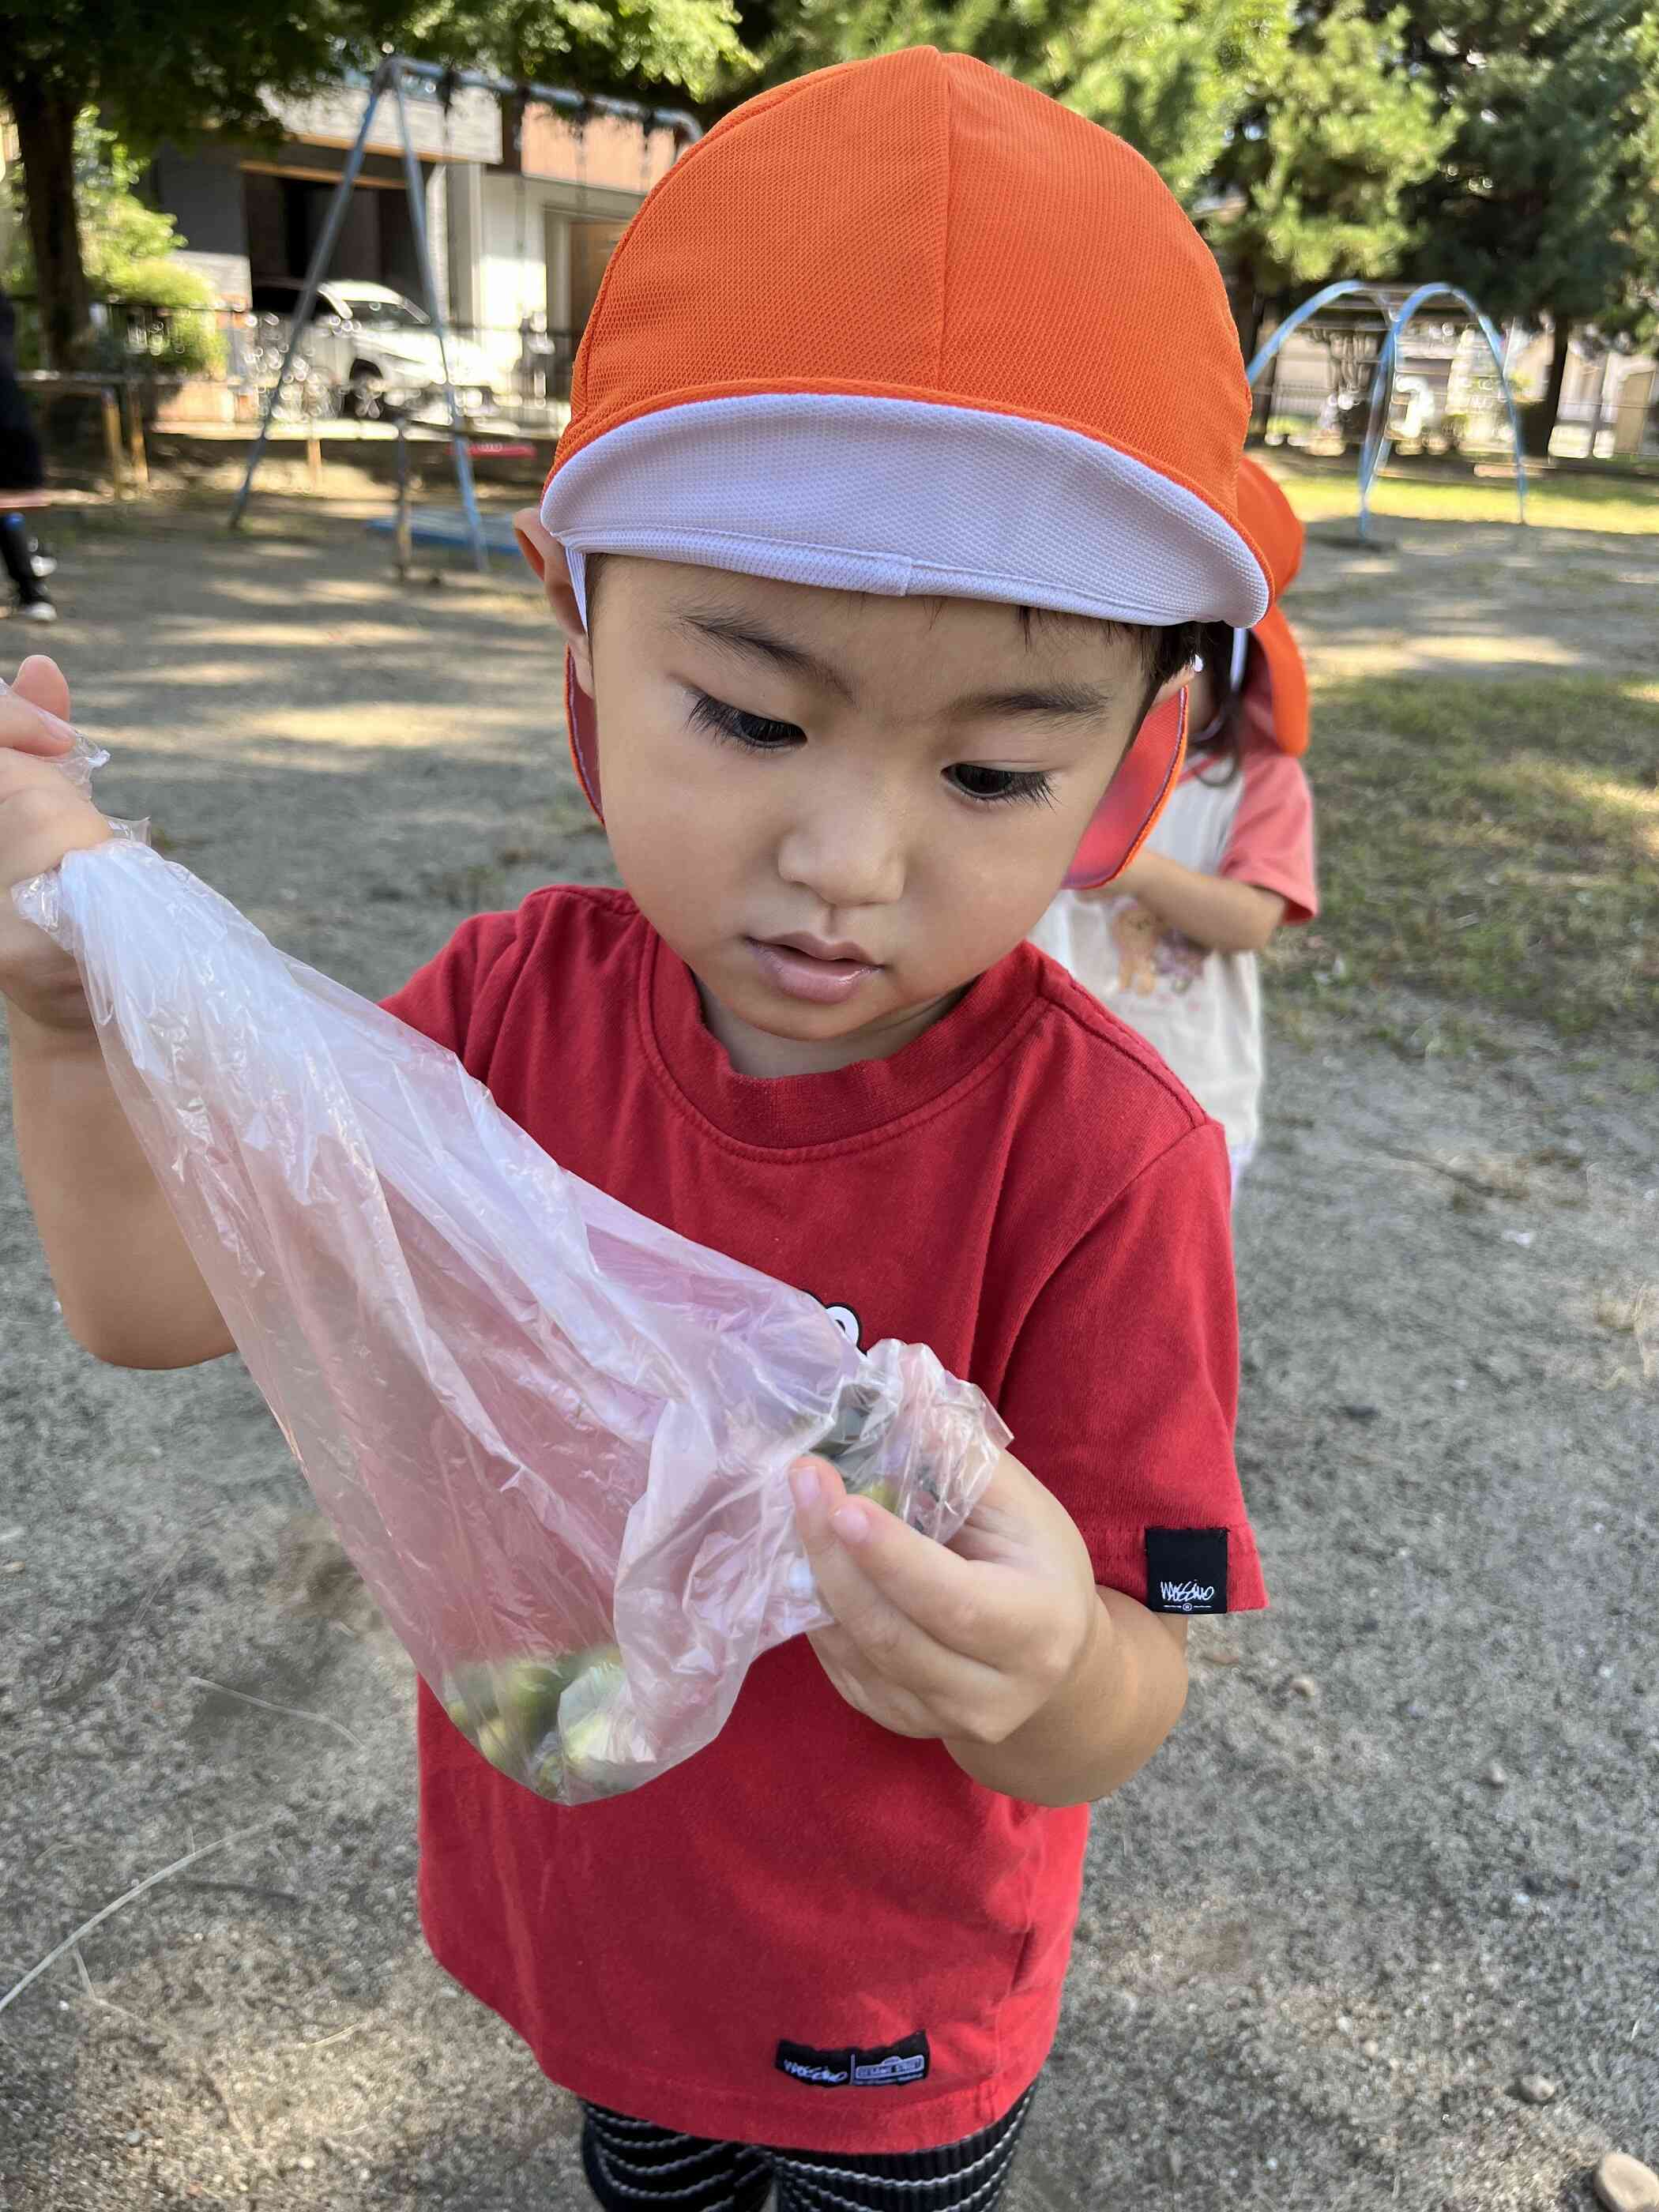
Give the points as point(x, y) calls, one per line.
point(1396, 320)
point(391, 75)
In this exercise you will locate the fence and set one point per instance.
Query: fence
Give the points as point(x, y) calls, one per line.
point(351, 368)
point(345, 368)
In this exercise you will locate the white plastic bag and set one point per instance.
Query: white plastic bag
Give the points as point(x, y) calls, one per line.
point(553, 1436)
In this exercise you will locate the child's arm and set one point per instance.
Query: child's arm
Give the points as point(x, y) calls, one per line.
point(1214, 911)
point(130, 1290)
point(1038, 1683)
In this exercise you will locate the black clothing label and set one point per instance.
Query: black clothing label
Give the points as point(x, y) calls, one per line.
point(890, 2065)
point(1186, 1570)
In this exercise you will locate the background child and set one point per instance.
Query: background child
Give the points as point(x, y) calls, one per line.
point(21, 469)
point(898, 359)
point(1170, 944)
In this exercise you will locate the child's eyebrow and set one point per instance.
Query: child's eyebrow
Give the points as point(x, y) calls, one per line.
point(1058, 702)
point(742, 633)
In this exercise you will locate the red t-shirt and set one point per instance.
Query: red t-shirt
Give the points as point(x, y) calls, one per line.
point(1026, 1189)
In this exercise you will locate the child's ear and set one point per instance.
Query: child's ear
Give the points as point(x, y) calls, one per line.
point(1178, 682)
point(546, 556)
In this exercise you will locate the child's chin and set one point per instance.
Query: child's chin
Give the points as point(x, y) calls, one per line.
point(799, 1022)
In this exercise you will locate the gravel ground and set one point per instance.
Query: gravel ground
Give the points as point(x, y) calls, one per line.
point(1400, 1853)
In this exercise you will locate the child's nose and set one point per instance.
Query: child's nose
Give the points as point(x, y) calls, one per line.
point(848, 852)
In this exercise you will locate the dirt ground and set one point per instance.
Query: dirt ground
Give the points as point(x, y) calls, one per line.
point(1403, 1852)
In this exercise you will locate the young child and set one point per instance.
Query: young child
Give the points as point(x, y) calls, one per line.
point(1170, 943)
point(902, 465)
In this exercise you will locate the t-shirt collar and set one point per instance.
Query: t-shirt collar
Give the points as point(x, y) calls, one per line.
point(791, 1112)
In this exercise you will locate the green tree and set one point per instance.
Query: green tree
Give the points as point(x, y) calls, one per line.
point(1543, 207)
point(1315, 176)
point(156, 72)
point(1170, 75)
point(127, 249)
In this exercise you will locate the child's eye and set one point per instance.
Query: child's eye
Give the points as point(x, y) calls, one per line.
point(993, 785)
point(757, 731)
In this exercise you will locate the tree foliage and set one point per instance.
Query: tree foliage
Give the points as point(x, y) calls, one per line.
point(1170, 75)
point(1542, 204)
point(1323, 158)
point(157, 71)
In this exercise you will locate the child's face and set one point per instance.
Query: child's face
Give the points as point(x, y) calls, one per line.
point(837, 808)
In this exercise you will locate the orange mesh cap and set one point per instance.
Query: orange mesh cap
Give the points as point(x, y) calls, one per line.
point(907, 326)
point(1272, 522)
point(1275, 702)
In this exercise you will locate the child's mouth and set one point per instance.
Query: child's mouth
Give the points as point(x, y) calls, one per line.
point(797, 967)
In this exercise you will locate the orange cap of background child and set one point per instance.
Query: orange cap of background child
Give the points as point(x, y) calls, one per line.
point(907, 326)
point(1273, 700)
point(1276, 690)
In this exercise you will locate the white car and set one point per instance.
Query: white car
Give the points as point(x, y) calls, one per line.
point(376, 348)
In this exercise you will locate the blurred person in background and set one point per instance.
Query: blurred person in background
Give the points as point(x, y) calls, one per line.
point(21, 470)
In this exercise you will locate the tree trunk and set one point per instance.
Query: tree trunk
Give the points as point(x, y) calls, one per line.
point(1540, 423)
point(44, 116)
point(1255, 315)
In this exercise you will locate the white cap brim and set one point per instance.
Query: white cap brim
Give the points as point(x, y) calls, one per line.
point(905, 497)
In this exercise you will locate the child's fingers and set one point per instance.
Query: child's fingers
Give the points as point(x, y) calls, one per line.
point(879, 1578)
point(31, 710)
point(43, 684)
point(873, 1637)
point(898, 1710)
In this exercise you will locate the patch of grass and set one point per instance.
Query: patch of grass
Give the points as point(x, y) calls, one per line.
point(1627, 1312)
point(1323, 491)
point(1494, 843)
point(480, 887)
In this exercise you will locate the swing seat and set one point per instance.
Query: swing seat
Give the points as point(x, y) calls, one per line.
point(18, 502)
point(446, 525)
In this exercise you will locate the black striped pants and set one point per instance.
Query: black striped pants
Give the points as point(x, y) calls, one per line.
point(633, 2165)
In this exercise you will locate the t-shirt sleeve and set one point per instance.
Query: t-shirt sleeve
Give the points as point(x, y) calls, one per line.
point(1271, 843)
point(442, 999)
point(1123, 1383)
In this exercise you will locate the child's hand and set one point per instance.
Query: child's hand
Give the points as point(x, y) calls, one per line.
point(1132, 878)
point(965, 1641)
point(1217, 912)
point(42, 817)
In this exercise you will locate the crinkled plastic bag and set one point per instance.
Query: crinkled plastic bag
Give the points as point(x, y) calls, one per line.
point(553, 1436)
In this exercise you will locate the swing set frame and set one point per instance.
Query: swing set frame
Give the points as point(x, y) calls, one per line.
point(1396, 315)
point(392, 76)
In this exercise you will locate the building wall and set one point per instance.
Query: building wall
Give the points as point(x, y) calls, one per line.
point(469, 131)
point(542, 246)
point(606, 154)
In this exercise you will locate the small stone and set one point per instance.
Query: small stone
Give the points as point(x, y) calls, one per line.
point(307, 2164)
point(1360, 1413)
point(1303, 1686)
point(1537, 2089)
point(1219, 1655)
point(1171, 2164)
point(12, 1567)
point(1624, 2184)
point(1496, 1777)
point(135, 2134)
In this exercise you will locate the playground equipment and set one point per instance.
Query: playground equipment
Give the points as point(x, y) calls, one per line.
point(1396, 315)
point(391, 76)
